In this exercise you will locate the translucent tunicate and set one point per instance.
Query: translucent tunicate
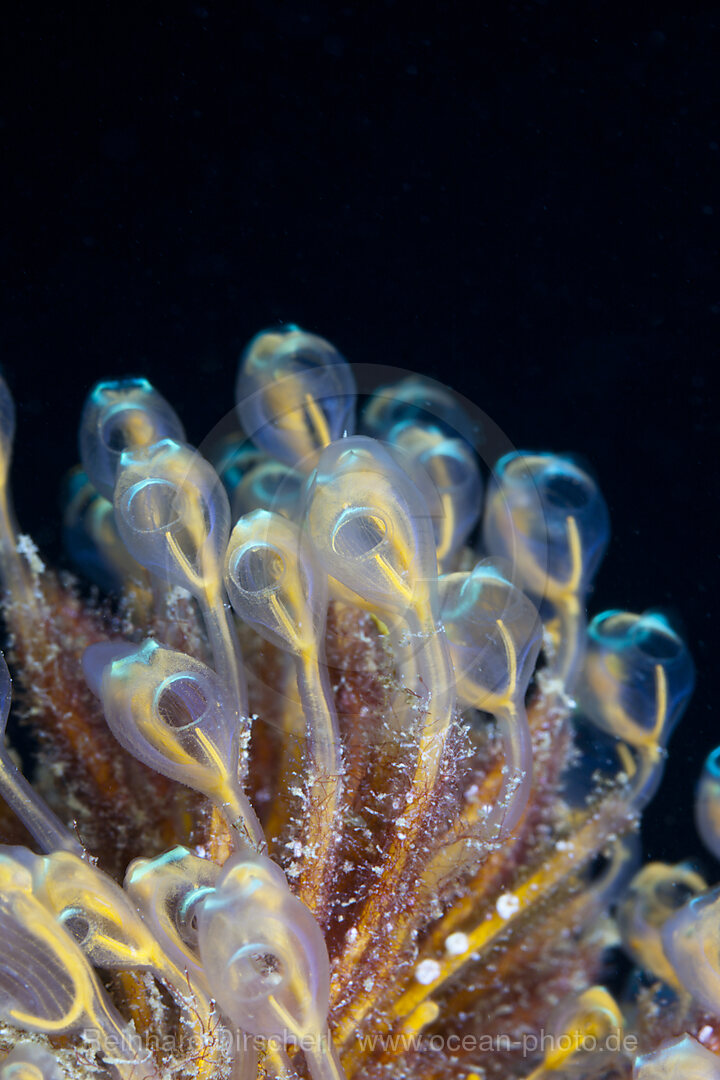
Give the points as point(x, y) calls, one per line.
point(272, 583)
point(369, 528)
point(173, 515)
point(707, 803)
point(453, 472)
point(94, 911)
point(30, 1061)
point(547, 517)
point(295, 394)
point(24, 801)
point(691, 941)
point(681, 1059)
point(275, 587)
point(47, 985)
point(636, 681)
point(266, 960)
point(172, 512)
point(167, 891)
point(174, 714)
point(579, 1018)
point(495, 635)
point(121, 415)
point(654, 896)
point(421, 402)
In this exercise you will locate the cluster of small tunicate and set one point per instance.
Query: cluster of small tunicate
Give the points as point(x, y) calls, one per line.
point(299, 510)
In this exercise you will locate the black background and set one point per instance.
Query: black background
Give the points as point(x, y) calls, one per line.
point(524, 206)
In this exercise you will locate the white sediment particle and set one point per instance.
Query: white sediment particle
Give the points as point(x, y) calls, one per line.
point(427, 972)
point(507, 905)
point(548, 643)
point(456, 944)
point(178, 595)
point(368, 984)
point(26, 547)
point(553, 688)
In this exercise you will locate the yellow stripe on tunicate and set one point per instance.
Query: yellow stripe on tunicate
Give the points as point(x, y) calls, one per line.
point(511, 657)
point(661, 693)
point(317, 418)
point(380, 626)
point(576, 561)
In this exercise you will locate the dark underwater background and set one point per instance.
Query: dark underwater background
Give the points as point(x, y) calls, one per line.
point(521, 200)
